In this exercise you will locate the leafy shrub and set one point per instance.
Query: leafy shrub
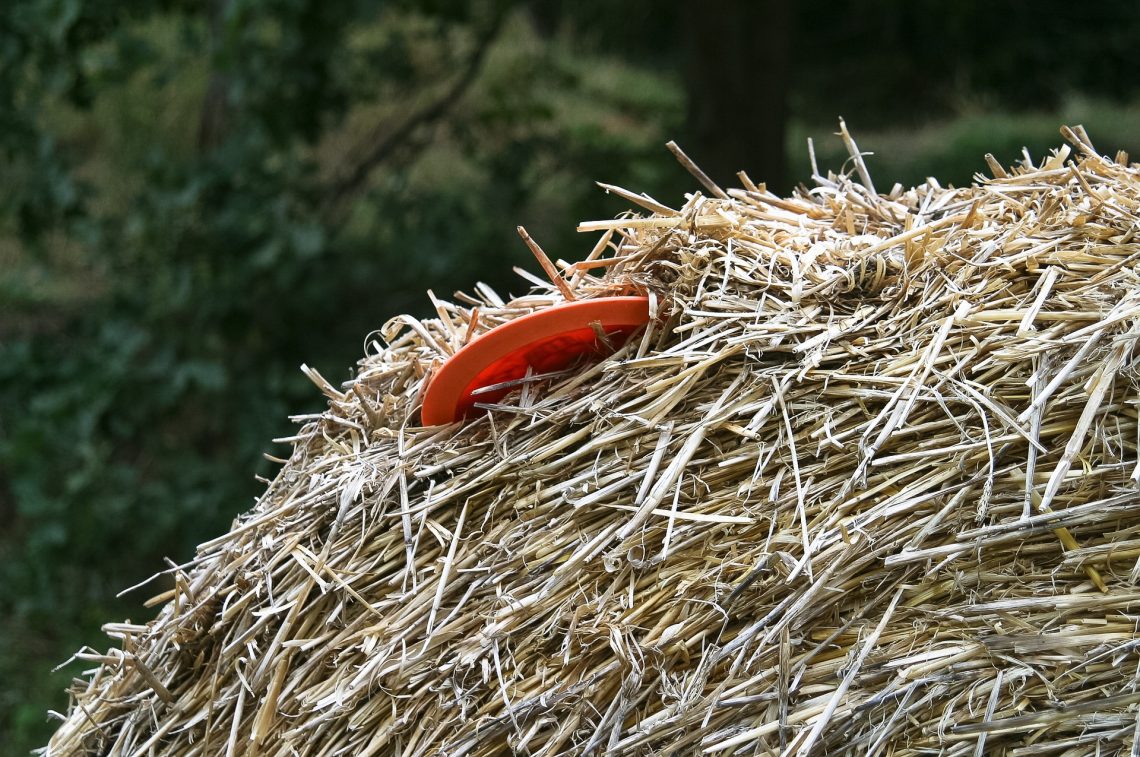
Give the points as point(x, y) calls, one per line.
point(179, 178)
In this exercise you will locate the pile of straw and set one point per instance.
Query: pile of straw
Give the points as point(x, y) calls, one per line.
point(868, 484)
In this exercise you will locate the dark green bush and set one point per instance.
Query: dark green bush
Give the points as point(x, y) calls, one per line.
point(177, 235)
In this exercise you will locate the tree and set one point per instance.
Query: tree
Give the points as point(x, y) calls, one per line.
point(736, 74)
point(238, 189)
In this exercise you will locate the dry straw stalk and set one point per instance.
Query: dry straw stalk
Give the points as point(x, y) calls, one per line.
point(867, 485)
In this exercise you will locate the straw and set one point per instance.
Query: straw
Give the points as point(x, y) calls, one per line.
point(867, 484)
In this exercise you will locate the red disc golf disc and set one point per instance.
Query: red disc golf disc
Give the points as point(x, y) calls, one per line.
point(544, 341)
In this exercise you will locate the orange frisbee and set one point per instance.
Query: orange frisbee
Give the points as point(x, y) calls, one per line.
point(544, 341)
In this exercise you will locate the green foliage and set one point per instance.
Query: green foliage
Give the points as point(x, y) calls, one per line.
point(953, 151)
point(892, 62)
point(884, 63)
point(169, 177)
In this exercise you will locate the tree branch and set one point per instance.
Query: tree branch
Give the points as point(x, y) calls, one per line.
point(378, 148)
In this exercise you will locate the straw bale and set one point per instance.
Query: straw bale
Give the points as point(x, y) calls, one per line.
point(868, 484)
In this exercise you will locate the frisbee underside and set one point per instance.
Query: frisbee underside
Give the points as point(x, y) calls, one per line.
point(544, 342)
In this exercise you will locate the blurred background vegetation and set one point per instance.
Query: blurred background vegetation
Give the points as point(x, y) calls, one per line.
point(196, 197)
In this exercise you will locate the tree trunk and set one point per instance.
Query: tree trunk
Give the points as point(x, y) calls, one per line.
point(737, 65)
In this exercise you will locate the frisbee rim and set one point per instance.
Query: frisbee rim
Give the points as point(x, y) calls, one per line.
point(452, 382)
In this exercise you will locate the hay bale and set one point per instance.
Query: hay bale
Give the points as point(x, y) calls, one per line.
point(869, 483)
